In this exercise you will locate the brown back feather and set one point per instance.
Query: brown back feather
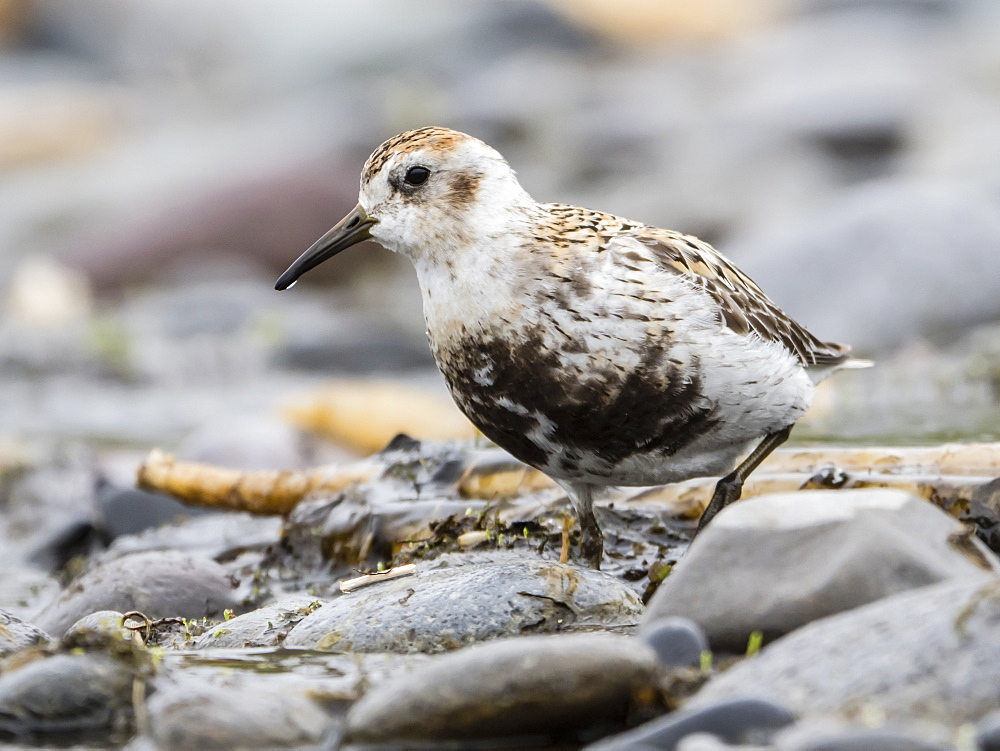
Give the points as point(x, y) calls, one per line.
point(743, 305)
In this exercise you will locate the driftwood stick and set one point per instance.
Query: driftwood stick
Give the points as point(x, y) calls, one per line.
point(265, 492)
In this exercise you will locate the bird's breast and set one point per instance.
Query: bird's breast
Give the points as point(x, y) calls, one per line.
point(558, 399)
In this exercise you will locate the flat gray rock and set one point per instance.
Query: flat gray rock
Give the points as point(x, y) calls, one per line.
point(931, 655)
point(159, 584)
point(446, 608)
point(532, 686)
point(778, 562)
point(265, 627)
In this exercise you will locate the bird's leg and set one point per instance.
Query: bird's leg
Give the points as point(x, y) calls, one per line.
point(730, 487)
point(591, 538)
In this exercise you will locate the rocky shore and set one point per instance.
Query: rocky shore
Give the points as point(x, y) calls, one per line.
point(212, 535)
point(402, 611)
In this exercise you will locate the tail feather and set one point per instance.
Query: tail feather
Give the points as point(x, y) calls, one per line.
point(856, 363)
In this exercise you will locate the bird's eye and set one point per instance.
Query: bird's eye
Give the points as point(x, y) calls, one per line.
point(417, 175)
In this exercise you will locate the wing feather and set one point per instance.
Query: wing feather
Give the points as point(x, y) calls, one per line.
point(743, 306)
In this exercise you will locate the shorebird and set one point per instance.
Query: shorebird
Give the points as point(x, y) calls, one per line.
point(602, 351)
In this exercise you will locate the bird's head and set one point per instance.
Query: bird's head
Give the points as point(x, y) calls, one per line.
point(425, 193)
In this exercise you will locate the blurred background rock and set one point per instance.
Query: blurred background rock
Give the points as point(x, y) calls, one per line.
point(161, 161)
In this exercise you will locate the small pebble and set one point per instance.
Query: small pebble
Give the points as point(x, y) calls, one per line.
point(678, 642)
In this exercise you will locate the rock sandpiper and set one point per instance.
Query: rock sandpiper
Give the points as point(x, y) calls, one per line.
point(602, 351)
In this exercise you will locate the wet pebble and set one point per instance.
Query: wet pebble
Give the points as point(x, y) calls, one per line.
point(930, 655)
point(265, 627)
point(65, 694)
point(544, 686)
point(847, 547)
point(16, 634)
point(678, 642)
point(159, 584)
point(446, 608)
point(734, 721)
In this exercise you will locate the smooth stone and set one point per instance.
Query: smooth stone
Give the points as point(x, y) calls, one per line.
point(265, 627)
point(930, 655)
point(96, 631)
point(678, 642)
point(241, 709)
point(16, 634)
point(539, 686)
point(63, 694)
point(847, 548)
point(158, 584)
point(446, 608)
point(734, 721)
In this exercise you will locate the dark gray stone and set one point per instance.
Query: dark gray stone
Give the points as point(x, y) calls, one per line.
point(159, 584)
point(734, 721)
point(446, 608)
point(846, 547)
point(678, 642)
point(63, 694)
point(544, 686)
point(931, 655)
point(16, 634)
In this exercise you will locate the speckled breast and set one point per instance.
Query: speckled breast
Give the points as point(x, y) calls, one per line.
point(571, 421)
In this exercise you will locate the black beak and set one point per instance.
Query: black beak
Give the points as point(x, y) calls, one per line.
point(349, 231)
